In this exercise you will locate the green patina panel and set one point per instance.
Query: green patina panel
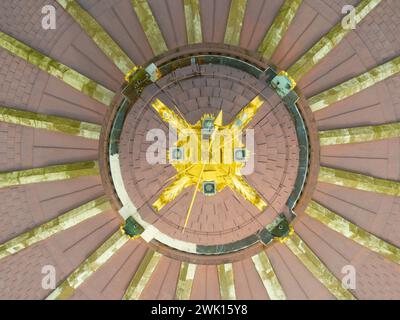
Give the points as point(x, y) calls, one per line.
point(358, 181)
point(235, 22)
point(355, 85)
point(327, 43)
point(57, 69)
point(49, 174)
point(279, 28)
point(51, 123)
point(227, 247)
point(95, 31)
point(359, 134)
point(150, 26)
point(279, 228)
point(132, 228)
point(117, 127)
point(193, 21)
point(353, 232)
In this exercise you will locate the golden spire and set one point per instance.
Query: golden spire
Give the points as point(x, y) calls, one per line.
point(208, 155)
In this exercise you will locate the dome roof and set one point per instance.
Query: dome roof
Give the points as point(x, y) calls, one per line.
point(78, 116)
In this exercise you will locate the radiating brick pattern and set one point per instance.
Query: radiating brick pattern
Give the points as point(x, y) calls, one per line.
point(10, 143)
point(16, 80)
point(23, 19)
point(374, 42)
point(391, 227)
point(15, 213)
point(21, 276)
point(393, 87)
point(380, 31)
point(377, 279)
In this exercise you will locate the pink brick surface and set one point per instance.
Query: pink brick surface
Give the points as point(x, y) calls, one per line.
point(375, 41)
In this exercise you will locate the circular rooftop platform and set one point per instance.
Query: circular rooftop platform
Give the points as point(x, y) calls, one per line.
point(61, 92)
point(272, 167)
